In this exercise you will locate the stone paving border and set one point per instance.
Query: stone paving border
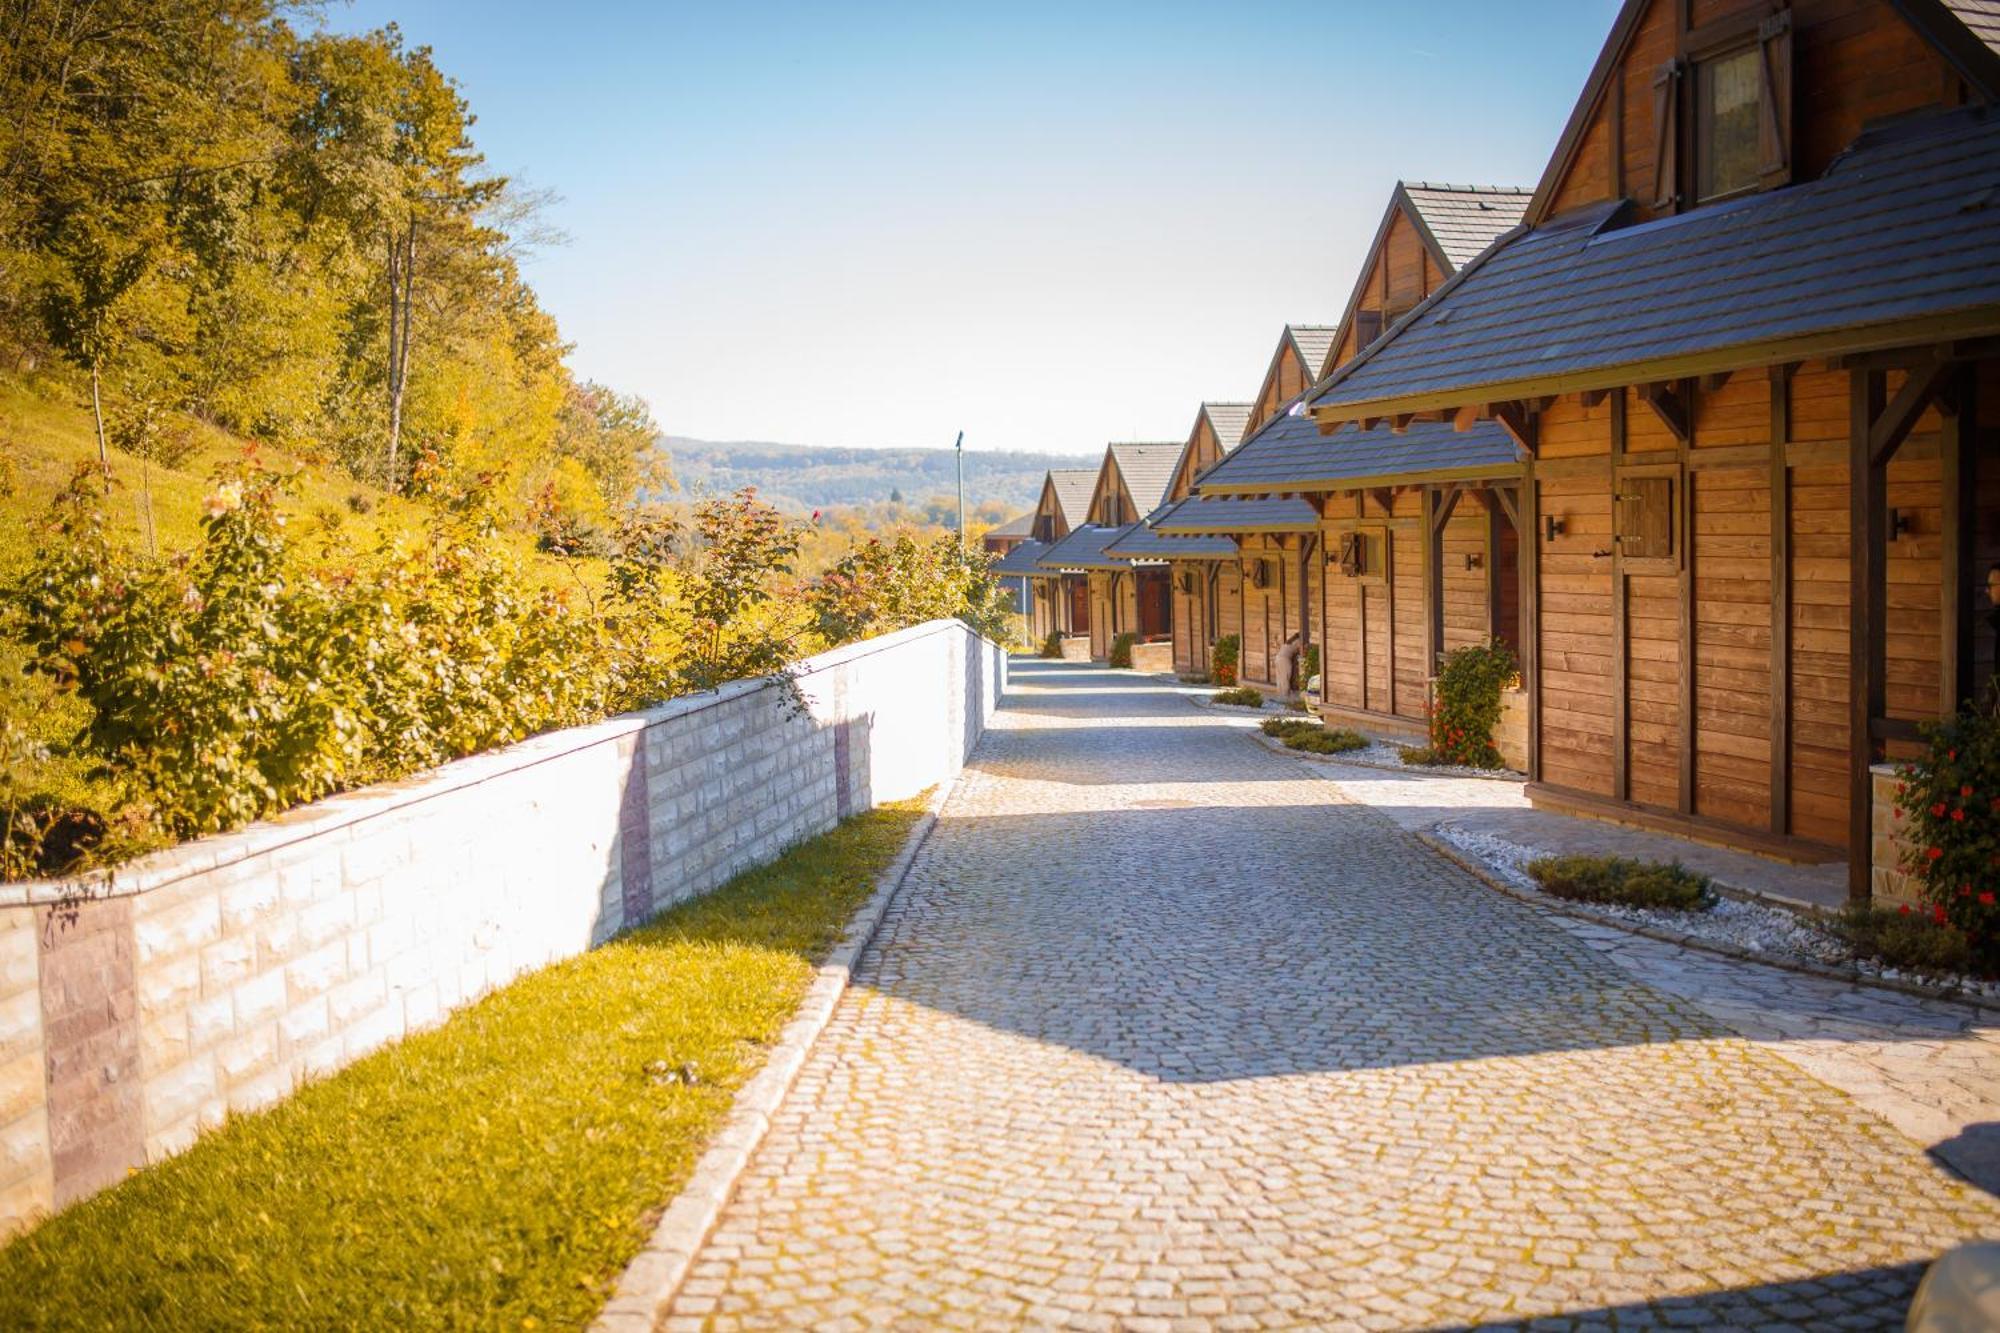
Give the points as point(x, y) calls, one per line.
point(654, 1276)
point(1479, 870)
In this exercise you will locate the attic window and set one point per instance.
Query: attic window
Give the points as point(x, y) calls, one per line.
point(1728, 106)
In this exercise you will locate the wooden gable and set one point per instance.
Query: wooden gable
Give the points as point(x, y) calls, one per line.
point(1048, 525)
point(1111, 502)
point(1819, 71)
point(1288, 377)
point(1202, 452)
point(1401, 269)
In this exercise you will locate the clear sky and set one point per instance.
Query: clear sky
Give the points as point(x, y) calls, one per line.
point(1049, 225)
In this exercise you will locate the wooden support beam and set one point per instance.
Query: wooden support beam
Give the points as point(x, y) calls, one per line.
point(1781, 603)
point(1519, 423)
point(1465, 417)
point(1508, 498)
point(1530, 560)
point(1445, 501)
point(1385, 498)
point(1433, 539)
point(1715, 380)
point(1893, 423)
point(1400, 423)
point(1592, 397)
point(1621, 648)
point(1867, 558)
point(1957, 591)
point(1670, 405)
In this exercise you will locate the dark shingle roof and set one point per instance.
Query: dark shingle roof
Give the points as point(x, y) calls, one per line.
point(1214, 514)
point(1018, 526)
point(1148, 470)
point(1021, 560)
point(1073, 489)
point(1465, 219)
point(1980, 17)
point(1905, 227)
point(1290, 454)
point(1144, 541)
point(1083, 549)
point(1230, 420)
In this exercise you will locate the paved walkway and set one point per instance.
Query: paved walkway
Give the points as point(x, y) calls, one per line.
point(1163, 1032)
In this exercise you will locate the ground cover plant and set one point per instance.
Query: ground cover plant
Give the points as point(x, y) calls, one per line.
point(1907, 939)
point(1282, 727)
point(1326, 740)
point(520, 1150)
point(1121, 650)
point(1623, 881)
point(1242, 696)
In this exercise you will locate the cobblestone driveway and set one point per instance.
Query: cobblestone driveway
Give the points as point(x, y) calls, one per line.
point(1161, 1034)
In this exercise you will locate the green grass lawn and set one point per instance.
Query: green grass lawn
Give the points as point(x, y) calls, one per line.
point(495, 1172)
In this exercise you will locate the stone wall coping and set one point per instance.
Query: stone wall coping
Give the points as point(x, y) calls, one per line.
point(1884, 770)
point(334, 815)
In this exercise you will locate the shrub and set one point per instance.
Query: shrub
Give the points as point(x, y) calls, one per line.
point(1121, 650)
point(1326, 740)
point(1286, 726)
point(1949, 803)
point(1223, 659)
point(1467, 707)
point(1052, 646)
point(1621, 880)
point(1241, 697)
point(890, 585)
point(1419, 756)
point(1308, 666)
point(1908, 940)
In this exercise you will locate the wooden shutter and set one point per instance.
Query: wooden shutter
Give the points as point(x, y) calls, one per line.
point(1667, 135)
point(1646, 518)
point(1367, 327)
point(1774, 39)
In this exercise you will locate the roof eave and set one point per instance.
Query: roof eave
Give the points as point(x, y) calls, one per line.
point(1323, 486)
point(1853, 340)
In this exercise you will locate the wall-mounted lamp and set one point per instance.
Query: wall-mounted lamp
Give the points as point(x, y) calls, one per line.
point(1901, 522)
point(1475, 560)
point(1552, 527)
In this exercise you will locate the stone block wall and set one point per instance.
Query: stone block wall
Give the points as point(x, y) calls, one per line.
point(1511, 736)
point(139, 1008)
point(1888, 884)
point(1154, 658)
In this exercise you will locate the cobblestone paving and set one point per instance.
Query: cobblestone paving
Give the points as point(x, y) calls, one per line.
point(1164, 1034)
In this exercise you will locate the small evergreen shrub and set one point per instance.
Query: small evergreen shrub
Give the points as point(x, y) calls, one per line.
point(1241, 697)
point(1948, 807)
point(1907, 939)
point(1418, 756)
point(1224, 656)
point(1621, 880)
point(1052, 646)
point(1467, 707)
point(1326, 740)
point(1282, 727)
point(1121, 650)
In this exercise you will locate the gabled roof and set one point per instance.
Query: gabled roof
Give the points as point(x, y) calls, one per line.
point(1018, 526)
point(1462, 220)
point(1230, 420)
point(1981, 18)
point(1148, 470)
point(1144, 541)
point(1214, 514)
point(1312, 340)
point(1291, 454)
point(1898, 242)
point(1084, 549)
point(1073, 487)
point(1021, 560)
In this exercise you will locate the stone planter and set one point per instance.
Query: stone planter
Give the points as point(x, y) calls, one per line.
point(1511, 736)
point(1076, 648)
point(1153, 657)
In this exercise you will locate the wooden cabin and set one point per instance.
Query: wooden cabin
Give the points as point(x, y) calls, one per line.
point(1408, 552)
point(1745, 342)
point(997, 541)
point(1194, 566)
point(1058, 603)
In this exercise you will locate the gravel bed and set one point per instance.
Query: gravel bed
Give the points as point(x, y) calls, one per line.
point(1388, 754)
point(1754, 927)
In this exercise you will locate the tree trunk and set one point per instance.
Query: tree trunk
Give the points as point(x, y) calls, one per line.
point(97, 416)
point(402, 295)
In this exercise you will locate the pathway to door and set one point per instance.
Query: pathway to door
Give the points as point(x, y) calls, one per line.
point(1164, 1033)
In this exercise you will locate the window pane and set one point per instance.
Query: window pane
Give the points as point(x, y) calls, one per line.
point(1727, 156)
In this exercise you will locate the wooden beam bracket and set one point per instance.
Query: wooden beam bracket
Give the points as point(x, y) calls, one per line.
point(1519, 422)
point(1670, 405)
point(1895, 421)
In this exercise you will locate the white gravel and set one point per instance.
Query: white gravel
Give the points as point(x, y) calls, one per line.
point(1773, 932)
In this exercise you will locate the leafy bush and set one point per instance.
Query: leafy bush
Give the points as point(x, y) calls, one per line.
point(1241, 697)
point(1223, 659)
point(1467, 707)
point(1121, 650)
point(1286, 726)
point(891, 585)
point(1621, 880)
point(1308, 665)
point(1052, 646)
point(1948, 801)
point(1418, 756)
point(1908, 940)
point(1325, 740)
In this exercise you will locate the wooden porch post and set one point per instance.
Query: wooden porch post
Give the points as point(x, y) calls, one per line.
point(1867, 558)
point(1960, 582)
point(1433, 534)
point(1781, 602)
point(1621, 645)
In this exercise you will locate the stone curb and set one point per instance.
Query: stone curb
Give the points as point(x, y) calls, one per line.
point(1479, 870)
point(655, 1274)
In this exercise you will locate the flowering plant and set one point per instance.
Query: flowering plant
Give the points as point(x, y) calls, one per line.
point(1467, 708)
point(1224, 669)
point(1948, 801)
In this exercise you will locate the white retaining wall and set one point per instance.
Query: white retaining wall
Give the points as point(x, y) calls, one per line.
point(139, 1007)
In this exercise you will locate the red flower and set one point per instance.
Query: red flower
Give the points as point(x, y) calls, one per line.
point(1904, 909)
point(1986, 899)
point(1937, 811)
point(1937, 915)
point(1958, 816)
point(1965, 791)
point(1965, 890)
point(1934, 853)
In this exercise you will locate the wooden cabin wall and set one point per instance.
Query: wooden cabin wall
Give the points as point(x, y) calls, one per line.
point(1229, 605)
point(1575, 645)
point(1100, 615)
point(1190, 610)
point(1125, 585)
point(1986, 533)
point(1467, 609)
point(1819, 595)
point(1854, 61)
point(1256, 612)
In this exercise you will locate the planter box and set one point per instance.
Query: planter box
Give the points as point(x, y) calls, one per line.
point(1153, 657)
point(1511, 736)
point(1076, 648)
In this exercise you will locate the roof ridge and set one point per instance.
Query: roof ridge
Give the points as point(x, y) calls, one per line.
point(1446, 187)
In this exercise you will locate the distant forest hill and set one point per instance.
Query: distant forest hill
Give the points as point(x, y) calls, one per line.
point(804, 477)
